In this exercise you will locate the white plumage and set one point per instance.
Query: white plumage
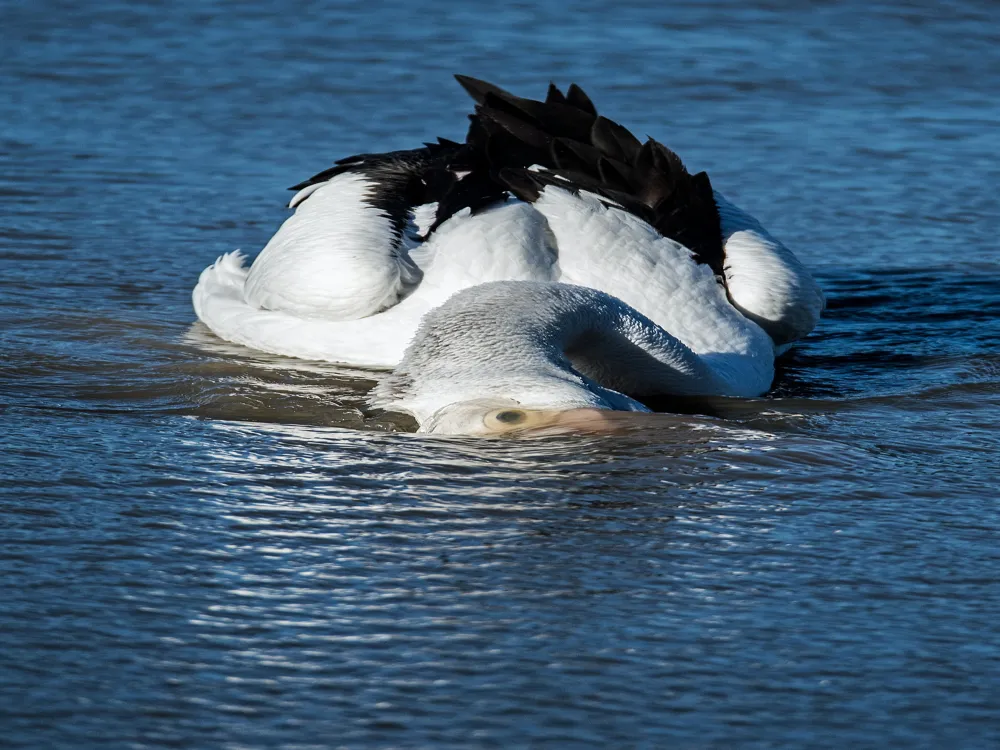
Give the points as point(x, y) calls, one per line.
point(538, 347)
point(335, 258)
point(571, 301)
point(508, 241)
point(609, 249)
point(766, 282)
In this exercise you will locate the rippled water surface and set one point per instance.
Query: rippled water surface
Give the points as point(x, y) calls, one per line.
point(203, 546)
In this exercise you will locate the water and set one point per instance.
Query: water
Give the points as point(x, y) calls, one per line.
point(203, 546)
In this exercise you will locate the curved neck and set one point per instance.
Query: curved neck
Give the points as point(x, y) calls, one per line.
point(550, 345)
point(619, 348)
point(618, 253)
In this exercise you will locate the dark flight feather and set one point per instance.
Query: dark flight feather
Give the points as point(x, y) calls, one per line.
point(554, 95)
point(614, 140)
point(600, 156)
point(577, 150)
point(576, 96)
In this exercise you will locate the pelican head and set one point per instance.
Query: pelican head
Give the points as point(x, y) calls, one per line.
point(515, 356)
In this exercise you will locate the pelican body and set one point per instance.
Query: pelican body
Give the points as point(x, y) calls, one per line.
point(550, 262)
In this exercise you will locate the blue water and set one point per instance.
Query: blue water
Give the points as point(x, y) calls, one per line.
point(203, 546)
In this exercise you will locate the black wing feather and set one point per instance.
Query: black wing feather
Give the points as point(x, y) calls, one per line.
point(576, 97)
point(554, 96)
point(577, 150)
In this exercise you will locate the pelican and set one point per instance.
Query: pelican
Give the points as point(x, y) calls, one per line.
point(555, 209)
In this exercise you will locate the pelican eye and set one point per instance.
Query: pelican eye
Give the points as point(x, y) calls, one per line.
point(510, 416)
point(512, 420)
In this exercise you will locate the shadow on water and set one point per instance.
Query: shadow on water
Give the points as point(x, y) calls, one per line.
point(887, 337)
point(897, 332)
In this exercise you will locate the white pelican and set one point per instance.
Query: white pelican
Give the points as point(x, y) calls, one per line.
point(543, 192)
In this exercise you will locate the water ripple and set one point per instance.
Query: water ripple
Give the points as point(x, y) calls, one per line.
point(208, 546)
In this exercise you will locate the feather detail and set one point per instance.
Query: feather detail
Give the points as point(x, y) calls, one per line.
point(598, 155)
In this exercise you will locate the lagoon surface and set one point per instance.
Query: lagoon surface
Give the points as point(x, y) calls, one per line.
point(203, 546)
